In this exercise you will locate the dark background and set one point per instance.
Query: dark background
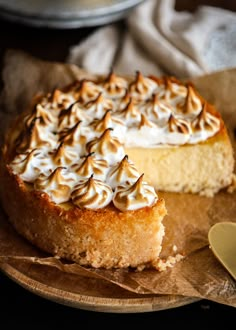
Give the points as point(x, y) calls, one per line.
point(19, 307)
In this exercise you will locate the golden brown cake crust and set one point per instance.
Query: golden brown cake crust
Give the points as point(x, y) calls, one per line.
point(102, 238)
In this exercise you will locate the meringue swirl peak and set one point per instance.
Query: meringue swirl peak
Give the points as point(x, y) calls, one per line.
point(123, 172)
point(106, 146)
point(92, 194)
point(58, 185)
point(91, 165)
point(142, 87)
point(115, 86)
point(134, 197)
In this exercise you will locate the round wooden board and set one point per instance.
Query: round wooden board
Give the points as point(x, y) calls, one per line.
point(87, 293)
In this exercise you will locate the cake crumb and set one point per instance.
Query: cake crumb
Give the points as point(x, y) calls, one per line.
point(162, 264)
point(232, 186)
point(174, 248)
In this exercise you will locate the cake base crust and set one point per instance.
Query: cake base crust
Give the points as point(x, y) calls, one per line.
point(105, 238)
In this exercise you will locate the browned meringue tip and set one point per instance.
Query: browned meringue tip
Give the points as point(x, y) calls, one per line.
point(130, 109)
point(106, 135)
point(82, 84)
point(55, 175)
point(139, 76)
point(88, 155)
point(28, 155)
point(99, 98)
point(155, 98)
point(60, 147)
point(90, 166)
point(38, 113)
point(140, 178)
point(145, 122)
point(106, 116)
point(68, 110)
point(85, 90)
point(124, 161)
point(54, 96)
point(58, 170)
point(205, 120)
point(178, 124)
point(58, 153)
point(127, 95)
point(192, 102)
point(138, 183)
point(169, 80)
point(111, 77)
point(67, 134)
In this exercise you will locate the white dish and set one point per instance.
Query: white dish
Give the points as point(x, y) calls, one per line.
point(66, 14)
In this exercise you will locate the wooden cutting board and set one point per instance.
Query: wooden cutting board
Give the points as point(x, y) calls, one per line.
point(68, 289)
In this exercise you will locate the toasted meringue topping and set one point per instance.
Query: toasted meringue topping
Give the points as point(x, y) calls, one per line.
point(115, 86)
point(91, 194)
point(70, 116)
point(31, 164)
point(35, 136)
point(135, 196)
point(175, 92)
point(124, 101)
point(142, 87)
point(124, 172)
point(99, 106)
point(204, 125)
point(74, 138)
point(155, 109)
point(91, 165)
point(100, 119)
point(87, 91)
point(130, 114)
point(54, 97)
point(98, 126)
point(106, 146)
point(175, 88)
point(179, 125)
point(58, 185)
point(59, 100)
point(144, 122)
point(193, 103)
point(44, 117)
point(63, 156)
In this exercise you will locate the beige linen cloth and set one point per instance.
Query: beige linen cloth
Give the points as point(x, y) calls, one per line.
point(157, 39)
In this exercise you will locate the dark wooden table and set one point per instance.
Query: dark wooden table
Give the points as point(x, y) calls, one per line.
point(20, 307)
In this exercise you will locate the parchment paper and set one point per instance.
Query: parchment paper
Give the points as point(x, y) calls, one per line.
point(189, 217)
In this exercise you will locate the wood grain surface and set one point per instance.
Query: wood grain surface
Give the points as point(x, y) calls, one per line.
point(54, 285)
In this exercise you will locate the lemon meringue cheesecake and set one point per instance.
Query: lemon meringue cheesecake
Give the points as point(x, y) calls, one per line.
point(81, 169)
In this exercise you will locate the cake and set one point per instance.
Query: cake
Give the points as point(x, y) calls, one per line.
point(82, 167)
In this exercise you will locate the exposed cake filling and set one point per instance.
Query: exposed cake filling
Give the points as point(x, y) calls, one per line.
point(72, 144)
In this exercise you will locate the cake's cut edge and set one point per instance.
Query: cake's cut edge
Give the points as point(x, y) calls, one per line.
point(204, 168)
